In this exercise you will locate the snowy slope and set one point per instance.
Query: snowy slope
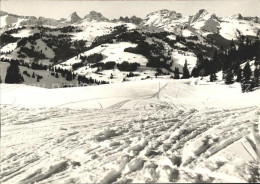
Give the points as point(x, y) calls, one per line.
point(25, 33)
point(161, 17)
point(204, 23)
point(115, 52)
point(175, 92)
point(93, 29)
point(111, 52)
point(180, 57)
point(48, 81)
point(41, 46)
point(8, 48)
point(145, 131)
point(230, 28)
point(119, 146)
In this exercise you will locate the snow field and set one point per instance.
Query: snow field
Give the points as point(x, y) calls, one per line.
point(25, 32)
point(229, 28)
point(111, 52)
point(180, 57)
point(93, 29)
point(9, 47)
point(118, 145)
point(139, 131)
point(191, 92)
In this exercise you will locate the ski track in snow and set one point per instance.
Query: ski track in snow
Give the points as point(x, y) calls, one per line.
point(155, 136)
point(62, 145)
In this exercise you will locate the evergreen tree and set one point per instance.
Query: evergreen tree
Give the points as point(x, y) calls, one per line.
point(176, 73)
point(69, 76)
point(256, 78)
point(213, 77)
point(13, 75)
point(200, 60)
point(247, 72)
point(247, 84)
point(215, 64)
point(33, 75)
point(239, 75)
point(231, 59)
point(229, 79)
point(195, 72)
point(79, 79)
point(186, 73)
point(257, 57)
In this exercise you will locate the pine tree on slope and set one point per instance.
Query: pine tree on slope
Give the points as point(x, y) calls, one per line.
point(176, 73)
point(13, 75)
point(239, 75)
point(256, 79)
point(229, 79)
point(246, 83)
point(247, 72)
point(186, 73)
point(213, 77)
point(69, 76)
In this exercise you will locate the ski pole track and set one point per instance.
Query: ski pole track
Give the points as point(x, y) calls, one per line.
point(77, 145)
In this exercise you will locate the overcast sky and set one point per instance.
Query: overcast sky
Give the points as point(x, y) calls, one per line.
point(114, 9)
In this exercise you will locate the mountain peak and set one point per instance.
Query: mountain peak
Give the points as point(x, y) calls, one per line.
point(163, 16)
point(73, 18)
point(169, 13)
point(74, 14)
point(201, 15)
point(93, 15)
point(201, 11)
point(133, 19)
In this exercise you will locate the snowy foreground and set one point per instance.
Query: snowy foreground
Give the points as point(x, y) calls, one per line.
point(142, 131)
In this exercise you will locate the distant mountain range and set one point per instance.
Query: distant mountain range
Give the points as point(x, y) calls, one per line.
point(159, 43)
point(200, 24)
point(154, 18)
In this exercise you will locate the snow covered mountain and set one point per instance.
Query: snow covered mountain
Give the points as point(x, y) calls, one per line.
point(164, 99)
point(161, 17)
point(15, 21)
point(73, 18)
point(95, 16)
point(240, 17)
point(200, 16)
point(11, 20)
point(157, 45)
point(133, 19)
point(202, 22)
point(205, 22)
